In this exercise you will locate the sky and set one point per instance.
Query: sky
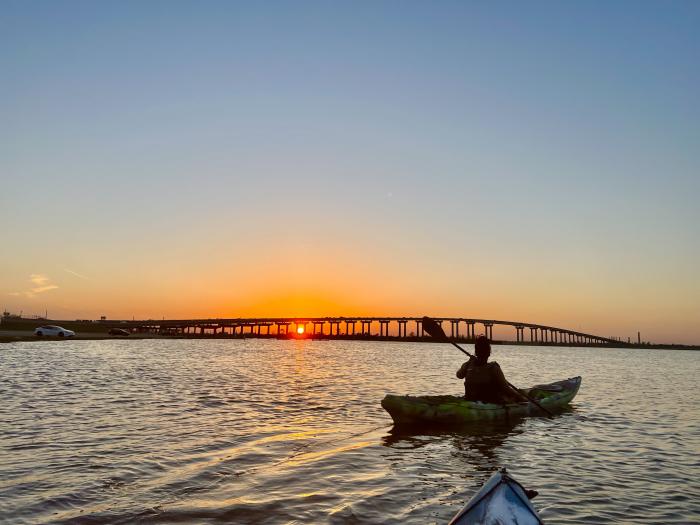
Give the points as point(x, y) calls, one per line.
point(535, 162)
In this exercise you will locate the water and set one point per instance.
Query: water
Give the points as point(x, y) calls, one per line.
point(256, 431)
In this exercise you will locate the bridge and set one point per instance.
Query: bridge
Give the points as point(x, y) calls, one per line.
point(376, 328)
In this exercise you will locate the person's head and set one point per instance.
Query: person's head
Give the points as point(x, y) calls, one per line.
point(482, 348)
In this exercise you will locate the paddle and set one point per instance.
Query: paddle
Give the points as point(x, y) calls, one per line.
point(436, 331)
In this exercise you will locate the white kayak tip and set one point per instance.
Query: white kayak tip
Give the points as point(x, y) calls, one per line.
point(500, 501)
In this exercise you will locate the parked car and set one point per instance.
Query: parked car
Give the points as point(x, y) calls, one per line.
point(118, 331)
point(53, 330)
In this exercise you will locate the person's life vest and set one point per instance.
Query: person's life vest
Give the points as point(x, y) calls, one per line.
point(482, 382)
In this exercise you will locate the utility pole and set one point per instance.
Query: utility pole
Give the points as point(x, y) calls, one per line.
point(639, 338)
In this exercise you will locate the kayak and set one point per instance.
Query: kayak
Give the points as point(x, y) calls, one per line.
point(450, 410)
point(501, 501)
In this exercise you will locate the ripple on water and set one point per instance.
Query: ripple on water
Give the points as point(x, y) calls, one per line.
point(276, 432)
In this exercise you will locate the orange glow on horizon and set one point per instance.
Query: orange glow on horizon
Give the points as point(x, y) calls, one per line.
point(300, 329)
point(301, 293)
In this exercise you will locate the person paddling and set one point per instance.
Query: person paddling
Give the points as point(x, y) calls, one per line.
point(484, 381)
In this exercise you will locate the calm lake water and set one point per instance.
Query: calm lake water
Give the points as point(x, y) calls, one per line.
point(256, 431)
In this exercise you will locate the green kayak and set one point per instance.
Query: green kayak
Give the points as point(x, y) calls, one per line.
point(450, 410)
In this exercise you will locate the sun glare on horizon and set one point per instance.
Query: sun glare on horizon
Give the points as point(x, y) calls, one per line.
point(300, 329)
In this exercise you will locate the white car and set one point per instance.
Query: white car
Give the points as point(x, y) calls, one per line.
point(54, 330)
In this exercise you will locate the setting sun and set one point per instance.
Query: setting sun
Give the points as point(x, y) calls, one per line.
point(300, 329)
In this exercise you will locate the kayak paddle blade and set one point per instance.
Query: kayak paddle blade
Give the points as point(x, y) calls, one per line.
point(434, 329)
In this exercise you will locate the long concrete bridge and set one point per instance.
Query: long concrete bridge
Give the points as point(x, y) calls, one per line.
point(381, 328)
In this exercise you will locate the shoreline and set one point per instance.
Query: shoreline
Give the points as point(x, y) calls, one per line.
point(15, 328)
point(23, 336)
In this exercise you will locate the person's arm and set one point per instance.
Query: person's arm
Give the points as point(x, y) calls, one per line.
point(462, 372)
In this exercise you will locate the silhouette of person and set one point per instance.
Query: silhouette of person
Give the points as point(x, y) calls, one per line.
point(484, 381)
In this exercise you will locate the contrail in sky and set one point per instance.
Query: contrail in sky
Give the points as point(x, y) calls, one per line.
point(76, 274)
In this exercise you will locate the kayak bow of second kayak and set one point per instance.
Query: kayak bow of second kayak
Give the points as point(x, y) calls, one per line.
point(501, 501)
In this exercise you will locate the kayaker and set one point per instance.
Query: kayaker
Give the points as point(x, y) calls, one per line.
point(484, 381)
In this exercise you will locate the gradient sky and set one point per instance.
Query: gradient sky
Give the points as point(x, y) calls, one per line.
point(534, 161)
